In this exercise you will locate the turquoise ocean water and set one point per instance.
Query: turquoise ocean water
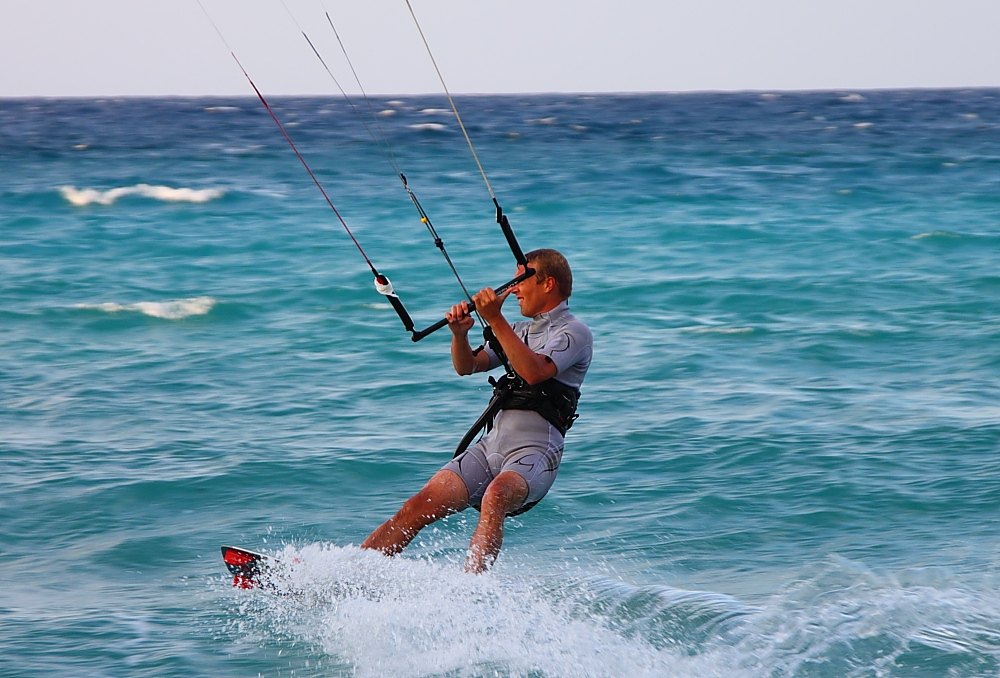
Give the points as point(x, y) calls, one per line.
point(788, 456)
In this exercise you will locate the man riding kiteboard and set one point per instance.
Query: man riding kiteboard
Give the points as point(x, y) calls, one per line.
point(511, 468)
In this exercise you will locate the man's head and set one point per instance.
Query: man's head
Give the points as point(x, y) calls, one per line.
point(551, 284)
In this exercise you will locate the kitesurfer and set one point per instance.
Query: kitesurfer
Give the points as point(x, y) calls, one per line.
point(511, 468)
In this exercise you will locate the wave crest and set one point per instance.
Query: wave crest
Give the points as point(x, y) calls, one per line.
point(88, 196)
point(168, 310)
point(428, 126)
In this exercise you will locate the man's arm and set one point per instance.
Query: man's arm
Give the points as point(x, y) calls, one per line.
point(533, 367)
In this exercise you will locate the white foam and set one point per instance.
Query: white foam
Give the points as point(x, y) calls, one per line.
point(437, 111)
point(852, 98)
point(221, 109)
point(934, 234)
point(389, 617)
point(722, 330)
point(387, 112)
point(431, 126)
point(863, 125)
point(543, 121)
point(168, 310)
point(88, 196)
point(876, 618)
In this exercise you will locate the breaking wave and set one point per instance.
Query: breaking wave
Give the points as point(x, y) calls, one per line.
point(168, 310)
point(428, 126)
point(934, 234)
point(88, 196)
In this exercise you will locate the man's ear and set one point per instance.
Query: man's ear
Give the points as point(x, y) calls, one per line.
point(550, 284)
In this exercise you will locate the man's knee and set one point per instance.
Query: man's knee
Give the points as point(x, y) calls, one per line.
point(507, 492)
point(445, 493)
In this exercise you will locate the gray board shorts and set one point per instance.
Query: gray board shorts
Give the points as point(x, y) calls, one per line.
point(521, 441)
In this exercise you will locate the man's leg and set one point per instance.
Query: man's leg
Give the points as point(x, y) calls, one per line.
point(505, 493)
point(444, 494)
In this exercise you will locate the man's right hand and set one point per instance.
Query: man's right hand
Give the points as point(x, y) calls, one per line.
point(460, 321)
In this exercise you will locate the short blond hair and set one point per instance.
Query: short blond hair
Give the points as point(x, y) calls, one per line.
point(552, 264)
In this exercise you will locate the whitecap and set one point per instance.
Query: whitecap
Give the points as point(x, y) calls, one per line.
point(168, 310)
point(87, 196)
point(396, 102)
point(437, 111)
point(242, 150)
point(432, 126)
point(81, 147)
point(934, 234)
point(852, 98)
point(863, 125)
point(543, 121)
point(387, 112)
point(221, 109)
point(722, 330)
point(578, 128)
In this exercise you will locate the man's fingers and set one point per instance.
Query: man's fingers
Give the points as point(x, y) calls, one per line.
point(484, 296)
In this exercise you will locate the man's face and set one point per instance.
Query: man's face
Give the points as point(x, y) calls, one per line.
point(531, 294)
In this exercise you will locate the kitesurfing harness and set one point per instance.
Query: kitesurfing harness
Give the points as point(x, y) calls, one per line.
point(555, 401)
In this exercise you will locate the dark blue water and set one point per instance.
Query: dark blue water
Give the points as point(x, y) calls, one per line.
point(787, 457)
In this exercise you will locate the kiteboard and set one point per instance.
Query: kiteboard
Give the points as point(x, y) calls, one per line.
point(247, 567)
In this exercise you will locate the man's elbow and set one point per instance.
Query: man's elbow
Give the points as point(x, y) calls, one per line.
point(465, 370)
point(541, 372)
point(536, 377)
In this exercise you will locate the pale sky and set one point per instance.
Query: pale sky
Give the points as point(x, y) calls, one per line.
point(160, 47)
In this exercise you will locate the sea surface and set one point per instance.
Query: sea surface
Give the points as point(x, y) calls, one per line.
point(787, 462)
